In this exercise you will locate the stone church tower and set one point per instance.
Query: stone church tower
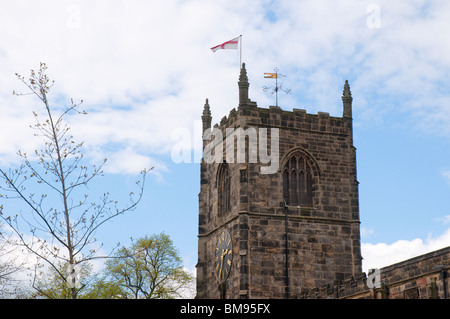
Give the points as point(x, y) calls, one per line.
point(281, 233)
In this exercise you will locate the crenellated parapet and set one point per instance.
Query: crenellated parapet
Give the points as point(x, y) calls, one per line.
point(421, 277)
point(298, 119)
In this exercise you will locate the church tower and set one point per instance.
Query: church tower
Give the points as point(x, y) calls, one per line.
point(278, 201)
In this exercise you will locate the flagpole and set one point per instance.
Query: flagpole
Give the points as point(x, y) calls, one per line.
point(240, 54)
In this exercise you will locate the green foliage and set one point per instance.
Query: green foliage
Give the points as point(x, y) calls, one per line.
point(150, 268)
point(50, 285)
point(101, 288)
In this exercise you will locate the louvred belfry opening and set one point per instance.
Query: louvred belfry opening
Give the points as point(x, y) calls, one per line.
point(224, 188)
point(298, 181)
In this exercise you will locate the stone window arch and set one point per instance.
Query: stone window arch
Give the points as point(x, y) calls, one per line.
point(299, 173)
point(224, 188)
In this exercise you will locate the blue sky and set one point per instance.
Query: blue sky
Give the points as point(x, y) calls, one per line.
point(144, 70)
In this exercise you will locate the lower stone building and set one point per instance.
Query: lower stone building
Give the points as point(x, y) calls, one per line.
point(421, 277)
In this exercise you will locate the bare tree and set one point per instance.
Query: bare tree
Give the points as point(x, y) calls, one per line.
point(62, 220)
point(10, 266)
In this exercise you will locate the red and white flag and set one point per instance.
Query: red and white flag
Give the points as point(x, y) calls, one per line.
point(232, 44)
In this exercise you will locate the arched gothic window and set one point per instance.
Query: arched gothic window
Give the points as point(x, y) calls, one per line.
point(298, 180)
point(224, 188)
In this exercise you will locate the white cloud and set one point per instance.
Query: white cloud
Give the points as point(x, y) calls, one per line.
point(145, 69)
point(445, 220)
point(446, 175)
point(26, 263)
point(381, 254)
point(128, 161)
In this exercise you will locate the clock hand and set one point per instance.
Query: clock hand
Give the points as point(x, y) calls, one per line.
point(222, 262)
point(221, 266)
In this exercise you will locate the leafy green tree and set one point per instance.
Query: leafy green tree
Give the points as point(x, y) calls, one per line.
point(150, 268)
point(102, 288)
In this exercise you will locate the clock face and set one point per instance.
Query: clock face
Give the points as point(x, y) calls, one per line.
point(224, 256)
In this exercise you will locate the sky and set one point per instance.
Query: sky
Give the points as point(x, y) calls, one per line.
point(144, 69)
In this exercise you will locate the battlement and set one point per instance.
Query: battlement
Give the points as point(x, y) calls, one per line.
point(248, 113)
point(275, 116)
point(344, 289)
point(421, 277)
point(298, 119)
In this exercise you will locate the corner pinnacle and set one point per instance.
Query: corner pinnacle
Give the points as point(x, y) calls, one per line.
point(347, 100)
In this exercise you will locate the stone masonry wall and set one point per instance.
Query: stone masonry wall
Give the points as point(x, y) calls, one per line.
point(323, 239)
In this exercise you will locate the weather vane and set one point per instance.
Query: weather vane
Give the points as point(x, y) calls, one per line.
point(277, 87)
